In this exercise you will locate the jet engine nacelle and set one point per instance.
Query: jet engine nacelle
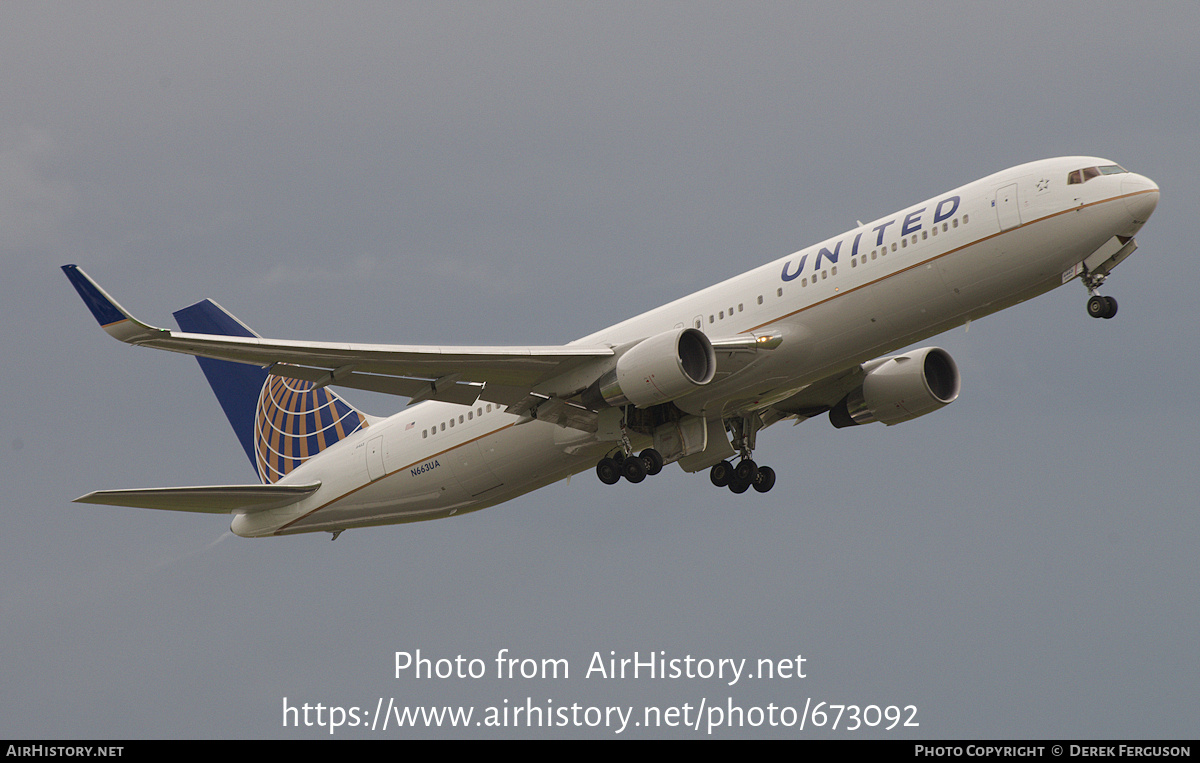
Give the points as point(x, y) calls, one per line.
point(656, 370)
point(900, 388)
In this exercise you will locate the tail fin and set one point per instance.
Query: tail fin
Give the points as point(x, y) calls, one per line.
point(280, 422)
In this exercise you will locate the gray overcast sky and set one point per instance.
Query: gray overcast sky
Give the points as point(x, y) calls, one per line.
point(1021, 564)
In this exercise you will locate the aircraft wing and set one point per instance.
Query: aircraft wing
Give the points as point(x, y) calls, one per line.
point(451, 374)
point(209, 499)
point(534, 382)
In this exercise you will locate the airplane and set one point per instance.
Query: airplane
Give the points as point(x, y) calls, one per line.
point(692, 382)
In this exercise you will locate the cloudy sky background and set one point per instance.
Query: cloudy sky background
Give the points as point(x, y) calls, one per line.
point(1021, 564)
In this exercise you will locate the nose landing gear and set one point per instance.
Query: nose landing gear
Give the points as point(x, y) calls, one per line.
point(1098, 306)
point(1101, 307)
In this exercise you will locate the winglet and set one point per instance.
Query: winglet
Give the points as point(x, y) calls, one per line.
point(113, 318)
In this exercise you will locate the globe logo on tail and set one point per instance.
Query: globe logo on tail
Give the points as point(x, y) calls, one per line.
point(293, 422)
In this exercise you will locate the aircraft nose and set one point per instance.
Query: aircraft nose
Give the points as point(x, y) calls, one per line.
point(1141, 197)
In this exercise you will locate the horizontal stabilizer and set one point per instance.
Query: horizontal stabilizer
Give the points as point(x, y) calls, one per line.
point(207, 499)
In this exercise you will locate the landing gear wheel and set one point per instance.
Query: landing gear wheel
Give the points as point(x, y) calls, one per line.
point(1101, 307)
point(765, 480)
point(746, 471)
point(739, 487)
point(721, 474)
point(653, 461)
point(608, 471)
point(634, 469)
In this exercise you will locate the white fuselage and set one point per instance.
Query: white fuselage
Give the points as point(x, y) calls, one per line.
point(902, 278)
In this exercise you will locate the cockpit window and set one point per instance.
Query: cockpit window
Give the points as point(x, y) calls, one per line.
point(1087, 173)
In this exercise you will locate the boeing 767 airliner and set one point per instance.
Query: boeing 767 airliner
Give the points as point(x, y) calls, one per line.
point(690, 382)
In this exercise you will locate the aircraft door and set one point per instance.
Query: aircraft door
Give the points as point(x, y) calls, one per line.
point(375, 468)
point(1007, 212)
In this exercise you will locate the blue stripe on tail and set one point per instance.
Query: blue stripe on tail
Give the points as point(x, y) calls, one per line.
point(280, 422)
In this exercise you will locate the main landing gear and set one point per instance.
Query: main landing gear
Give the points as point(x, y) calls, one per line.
point(612, 468)
point(742, 477)
point(623, 463)
point(746, 474)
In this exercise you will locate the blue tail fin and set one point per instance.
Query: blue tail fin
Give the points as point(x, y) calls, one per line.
point(280, 422)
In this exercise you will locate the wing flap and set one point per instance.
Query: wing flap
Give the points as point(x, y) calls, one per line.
point(512, 366)
point(207, 499)
point(418, 389)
